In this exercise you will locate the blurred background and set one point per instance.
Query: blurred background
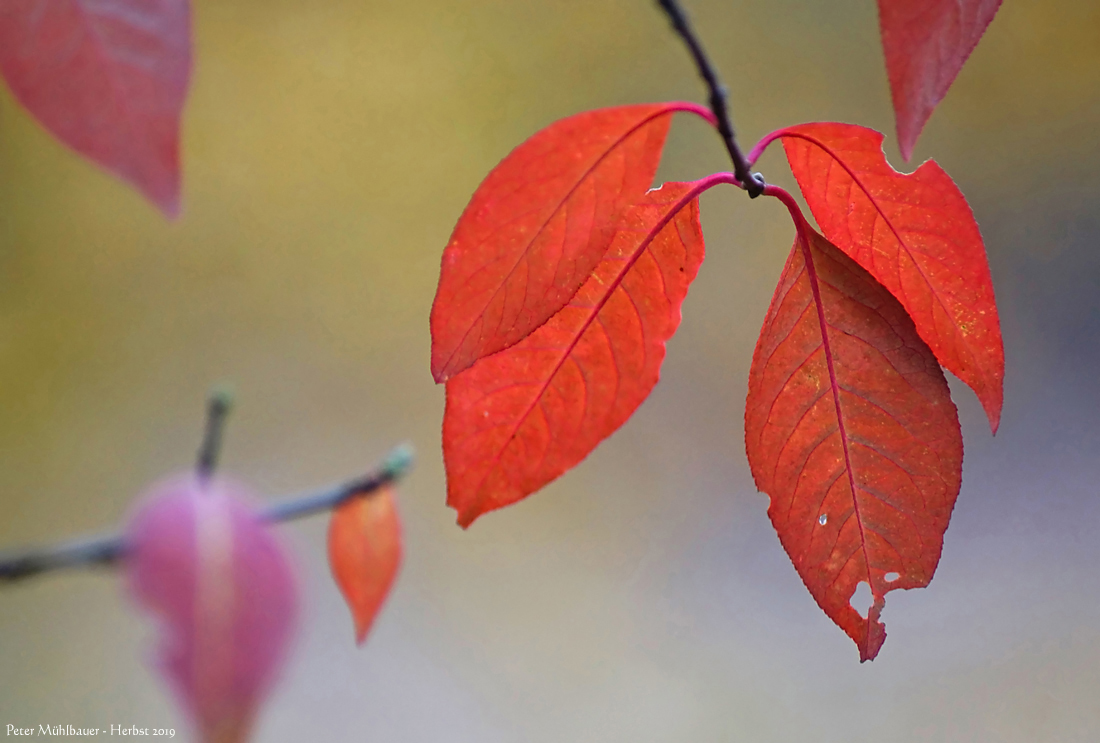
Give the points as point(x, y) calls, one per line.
point(329, 148)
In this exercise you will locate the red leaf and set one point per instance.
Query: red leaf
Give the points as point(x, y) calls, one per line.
point(364, 552)
point(537, 226)
point(522, 417)
point(220, 582)
point(926, 43)
point(850, 429)
point(106, 77)
point(916, 235)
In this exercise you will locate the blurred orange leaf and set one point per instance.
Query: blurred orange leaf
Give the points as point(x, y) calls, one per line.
point(364, 552)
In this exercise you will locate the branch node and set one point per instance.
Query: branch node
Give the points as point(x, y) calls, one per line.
point(756, 185)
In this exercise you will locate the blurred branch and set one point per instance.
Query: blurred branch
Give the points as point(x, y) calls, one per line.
point(108, 550)
point(217, 410)
point(719, 96)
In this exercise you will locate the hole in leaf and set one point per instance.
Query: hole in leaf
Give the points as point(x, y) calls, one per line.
point(823, 519)
point(891, 577)
point(862, 599)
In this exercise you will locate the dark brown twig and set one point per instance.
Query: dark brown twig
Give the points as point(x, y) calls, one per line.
point(217, 409)
point(753, 183)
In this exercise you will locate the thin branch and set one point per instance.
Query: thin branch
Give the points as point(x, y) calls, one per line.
point(108, 550)
point(753, 183)
point(217, 409)
point(395, 466)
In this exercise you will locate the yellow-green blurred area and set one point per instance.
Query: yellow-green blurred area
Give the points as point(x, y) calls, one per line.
point(329, 148)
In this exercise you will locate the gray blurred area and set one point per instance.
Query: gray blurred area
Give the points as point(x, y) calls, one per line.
point(644, 597)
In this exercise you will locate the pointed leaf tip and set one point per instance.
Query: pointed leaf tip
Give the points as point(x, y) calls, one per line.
point(364, 549)
point(926, 43)
point(220, 582)
point(109, 79)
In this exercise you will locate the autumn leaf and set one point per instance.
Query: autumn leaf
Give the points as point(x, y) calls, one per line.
point(850, 429)
point(518, 419)
point(108, 78)
point(220, 583)
point(537, 226)
point(364, 552)
point(926, 43)
point(916, 235)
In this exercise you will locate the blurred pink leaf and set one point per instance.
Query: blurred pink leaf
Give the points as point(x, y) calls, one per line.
point(108, 78)
point(222, 586)
point(926, 43)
